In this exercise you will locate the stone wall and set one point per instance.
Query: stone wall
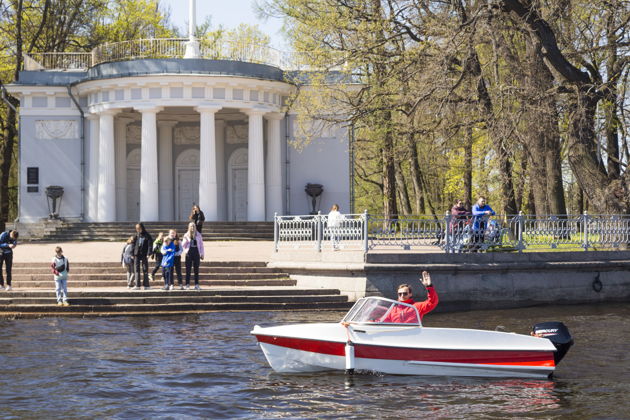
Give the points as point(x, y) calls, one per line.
point(475, 281)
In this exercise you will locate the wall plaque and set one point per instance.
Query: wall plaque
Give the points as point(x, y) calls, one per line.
point(56, 129)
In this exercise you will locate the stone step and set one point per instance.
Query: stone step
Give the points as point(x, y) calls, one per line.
point(120, 230)
point(49, 283)
point(80, 270)
point(37, 311)
point(168, 298)
point(124, 292)
point(17, 278)
point(148, 225)
point(222, 229)
point(104, 238)
point(203, 264)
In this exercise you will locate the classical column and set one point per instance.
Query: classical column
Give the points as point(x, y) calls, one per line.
point(274, 165)
point(121, 167)
point(106, 168)
point(165, 173)
point(255, 167)
point(149, 187)
point(92, 193)
point(207, 162)
point(219, 141)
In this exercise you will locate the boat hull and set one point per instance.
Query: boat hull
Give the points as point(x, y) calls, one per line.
point(425, 351)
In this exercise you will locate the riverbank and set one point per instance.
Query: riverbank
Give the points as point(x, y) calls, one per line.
point(464, 281)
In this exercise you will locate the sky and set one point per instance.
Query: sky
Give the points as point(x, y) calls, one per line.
point(229, 14)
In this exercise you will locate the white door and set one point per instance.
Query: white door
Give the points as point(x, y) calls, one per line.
point(188, 191)
point(133, 194)
point(239, 194)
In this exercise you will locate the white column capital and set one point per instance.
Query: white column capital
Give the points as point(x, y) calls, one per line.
point(149, 109)
point(254, 111)
point(208, 108)
point(274, 116)
point(93, 116)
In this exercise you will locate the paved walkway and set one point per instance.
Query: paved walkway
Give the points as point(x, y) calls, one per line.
point(110, 251)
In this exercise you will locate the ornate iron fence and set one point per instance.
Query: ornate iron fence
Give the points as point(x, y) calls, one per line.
point(57, 61)
point(454, 234)
point(314, 232)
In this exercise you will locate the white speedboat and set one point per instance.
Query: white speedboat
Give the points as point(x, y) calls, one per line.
point(367, 340)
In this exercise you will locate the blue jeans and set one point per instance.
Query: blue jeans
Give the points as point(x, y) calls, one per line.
point(61, 289)
point(167, 272)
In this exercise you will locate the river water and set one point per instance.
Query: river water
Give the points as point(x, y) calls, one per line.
point(209, 366)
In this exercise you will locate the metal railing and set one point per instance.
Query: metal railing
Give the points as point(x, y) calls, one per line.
point(165, 48)
point(313, 232)
point(57, 61)
point(454, 234)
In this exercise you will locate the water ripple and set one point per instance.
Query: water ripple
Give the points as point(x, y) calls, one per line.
point(209, 366)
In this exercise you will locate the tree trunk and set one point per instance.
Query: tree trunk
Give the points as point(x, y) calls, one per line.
point(467, 175)
point(416, 175)
point(390, 208)
point(403, 194)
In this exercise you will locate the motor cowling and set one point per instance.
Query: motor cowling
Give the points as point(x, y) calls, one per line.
point(558, 334)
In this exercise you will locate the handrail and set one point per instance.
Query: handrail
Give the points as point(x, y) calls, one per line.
point(453, 234)
point(165, 48)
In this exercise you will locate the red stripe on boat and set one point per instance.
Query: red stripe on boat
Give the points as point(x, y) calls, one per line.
point(486, 357)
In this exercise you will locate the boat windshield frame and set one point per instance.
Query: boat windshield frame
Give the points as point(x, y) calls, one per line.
point(369, 304)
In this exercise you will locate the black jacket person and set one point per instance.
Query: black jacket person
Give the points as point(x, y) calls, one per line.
point(142, 249)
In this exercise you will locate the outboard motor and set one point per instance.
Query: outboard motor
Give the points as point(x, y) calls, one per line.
point(558, 334)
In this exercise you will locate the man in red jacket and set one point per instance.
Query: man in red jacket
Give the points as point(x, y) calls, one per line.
point(406, 315)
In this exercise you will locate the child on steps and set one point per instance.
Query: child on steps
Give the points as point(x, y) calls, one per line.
point(60, 268)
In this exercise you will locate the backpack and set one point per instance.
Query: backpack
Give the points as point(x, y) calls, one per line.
point(62, 267)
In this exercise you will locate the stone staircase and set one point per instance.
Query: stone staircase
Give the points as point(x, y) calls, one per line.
point(100, 289)
point(119, 231)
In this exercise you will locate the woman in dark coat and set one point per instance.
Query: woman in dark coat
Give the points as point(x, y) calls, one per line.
point(197, 217)
point(142, 250)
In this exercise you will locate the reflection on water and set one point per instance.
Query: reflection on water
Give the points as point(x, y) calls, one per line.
point(209, 366)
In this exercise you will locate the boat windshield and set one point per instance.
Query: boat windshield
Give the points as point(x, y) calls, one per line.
point(377, 310)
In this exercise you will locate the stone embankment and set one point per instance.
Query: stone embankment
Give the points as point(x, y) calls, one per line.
point(469, 281)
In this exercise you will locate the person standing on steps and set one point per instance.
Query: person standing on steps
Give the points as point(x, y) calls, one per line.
point(141, 252)
point(168, 255)
point(197, 217)
point(8, 242)
point(192, 246)
point(60, 267)
point(177, 261)
point(126, 259)
point(157, 254)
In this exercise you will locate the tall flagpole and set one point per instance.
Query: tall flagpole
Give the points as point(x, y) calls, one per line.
point(192, 46)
